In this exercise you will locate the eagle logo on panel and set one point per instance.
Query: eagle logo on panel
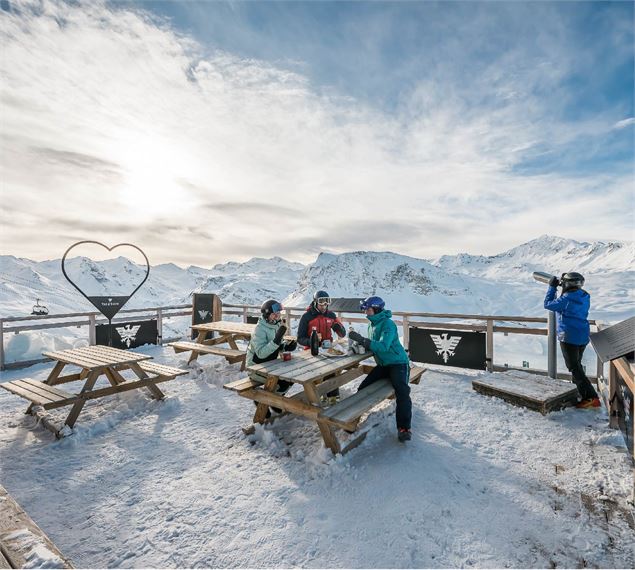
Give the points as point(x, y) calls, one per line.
point(445, 344)
point(128, 333)
point(203, 314)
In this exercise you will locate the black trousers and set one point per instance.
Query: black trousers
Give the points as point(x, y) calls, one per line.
point(573, 359)
point(398, 374)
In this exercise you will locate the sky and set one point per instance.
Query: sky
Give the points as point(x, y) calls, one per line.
point(205, 132)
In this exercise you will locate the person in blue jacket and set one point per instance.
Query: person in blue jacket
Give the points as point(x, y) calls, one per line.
point(572, 311)
point(391, 358)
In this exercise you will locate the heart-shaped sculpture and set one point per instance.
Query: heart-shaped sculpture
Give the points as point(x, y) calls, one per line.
point(107, 305)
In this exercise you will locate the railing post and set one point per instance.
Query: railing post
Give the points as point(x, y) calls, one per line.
point(1, 344)
point(244, 313)
point(160, 327)
point(287, 315)
point(405, 325)
point(552, 355)
point(92, 330)
point(489, 345)
point(612, 405)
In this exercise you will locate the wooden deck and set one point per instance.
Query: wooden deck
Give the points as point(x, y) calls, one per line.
point(21, 539)
point(534, 392)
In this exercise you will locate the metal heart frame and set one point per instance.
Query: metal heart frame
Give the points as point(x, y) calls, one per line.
point(105, 304)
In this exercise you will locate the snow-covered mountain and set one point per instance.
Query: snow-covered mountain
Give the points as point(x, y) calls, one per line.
point(608, 267)
point(547, 253)
point(407, 283)
point(499, 284)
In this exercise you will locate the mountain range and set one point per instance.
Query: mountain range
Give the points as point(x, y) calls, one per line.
point(463, 283)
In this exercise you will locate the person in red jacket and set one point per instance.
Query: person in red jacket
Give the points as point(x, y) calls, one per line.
point(324, 321)
point(319, 317)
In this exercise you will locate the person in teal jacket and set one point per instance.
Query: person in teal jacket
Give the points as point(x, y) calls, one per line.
point(391, 358)
point(267, 341)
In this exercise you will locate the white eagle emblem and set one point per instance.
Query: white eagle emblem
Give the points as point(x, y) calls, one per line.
point(445, 344)
point(128, 333)
point(203, 314)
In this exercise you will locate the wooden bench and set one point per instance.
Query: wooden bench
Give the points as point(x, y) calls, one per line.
point(243, 384)
point(39, 393)
point(346, 413)
point(165, 372)
point(232, 355)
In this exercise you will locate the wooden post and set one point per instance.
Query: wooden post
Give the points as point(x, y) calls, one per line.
point(599, 371)
point(489, 348)
point(287, 314)
point(244, 313)
point(406, 331)
point(217, 309)
point(160, 327)
point(612, 405)
point(1, 344)
point(92, 330)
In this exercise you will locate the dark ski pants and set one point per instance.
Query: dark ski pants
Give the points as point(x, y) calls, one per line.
point(573, 359)
point(398, 374)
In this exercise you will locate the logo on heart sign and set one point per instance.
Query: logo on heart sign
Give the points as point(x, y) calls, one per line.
point(107, 305)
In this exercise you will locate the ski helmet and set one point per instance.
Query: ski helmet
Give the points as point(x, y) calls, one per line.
point(571, 280)
point(269, 307)
point(375, 303)
point(321, 298)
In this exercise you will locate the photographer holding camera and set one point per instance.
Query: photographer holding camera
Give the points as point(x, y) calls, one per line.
point(572, 311)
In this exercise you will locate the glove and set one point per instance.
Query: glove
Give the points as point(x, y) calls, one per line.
point(290, 346)
point(339, 329)
point(279, 334)
point(365, 342)
point(554, 281)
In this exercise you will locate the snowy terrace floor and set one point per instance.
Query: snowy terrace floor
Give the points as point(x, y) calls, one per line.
point(176, 483)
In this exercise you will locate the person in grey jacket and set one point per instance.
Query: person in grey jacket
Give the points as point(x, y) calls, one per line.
point(267, 340)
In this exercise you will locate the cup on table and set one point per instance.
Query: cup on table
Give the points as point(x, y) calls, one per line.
point(286, 356)
point(326, 344)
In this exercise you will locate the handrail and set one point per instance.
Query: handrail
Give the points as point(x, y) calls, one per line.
point(405, 319)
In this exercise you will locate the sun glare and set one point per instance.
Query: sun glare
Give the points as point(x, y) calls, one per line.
point(151, 186)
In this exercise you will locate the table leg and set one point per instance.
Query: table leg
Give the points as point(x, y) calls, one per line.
point(231, 340)
point(261, 411)
point(111, 377)
point(55, 373)
point(328, 435)
point(154, 389)
point(77, 407)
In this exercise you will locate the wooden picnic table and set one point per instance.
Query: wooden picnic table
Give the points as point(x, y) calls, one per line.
point(93, 362)
point(229, 332)
point(317, 375)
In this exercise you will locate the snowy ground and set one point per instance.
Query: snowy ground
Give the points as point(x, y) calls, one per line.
point(176, 483)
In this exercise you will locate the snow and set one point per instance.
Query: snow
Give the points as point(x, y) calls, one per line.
point(33, 548)
point(142, 483)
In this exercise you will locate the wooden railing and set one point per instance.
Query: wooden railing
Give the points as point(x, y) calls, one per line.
point(489, 324)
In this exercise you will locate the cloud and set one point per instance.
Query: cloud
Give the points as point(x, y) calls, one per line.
point(118, 125)
point(624, 123)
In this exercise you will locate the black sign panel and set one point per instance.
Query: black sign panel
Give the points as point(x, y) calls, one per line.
point(203, 307)
point(109, 306)
point(129, 335)
point(624, 401)
point(343, 305)
point(615, 341)
point(463, 349)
